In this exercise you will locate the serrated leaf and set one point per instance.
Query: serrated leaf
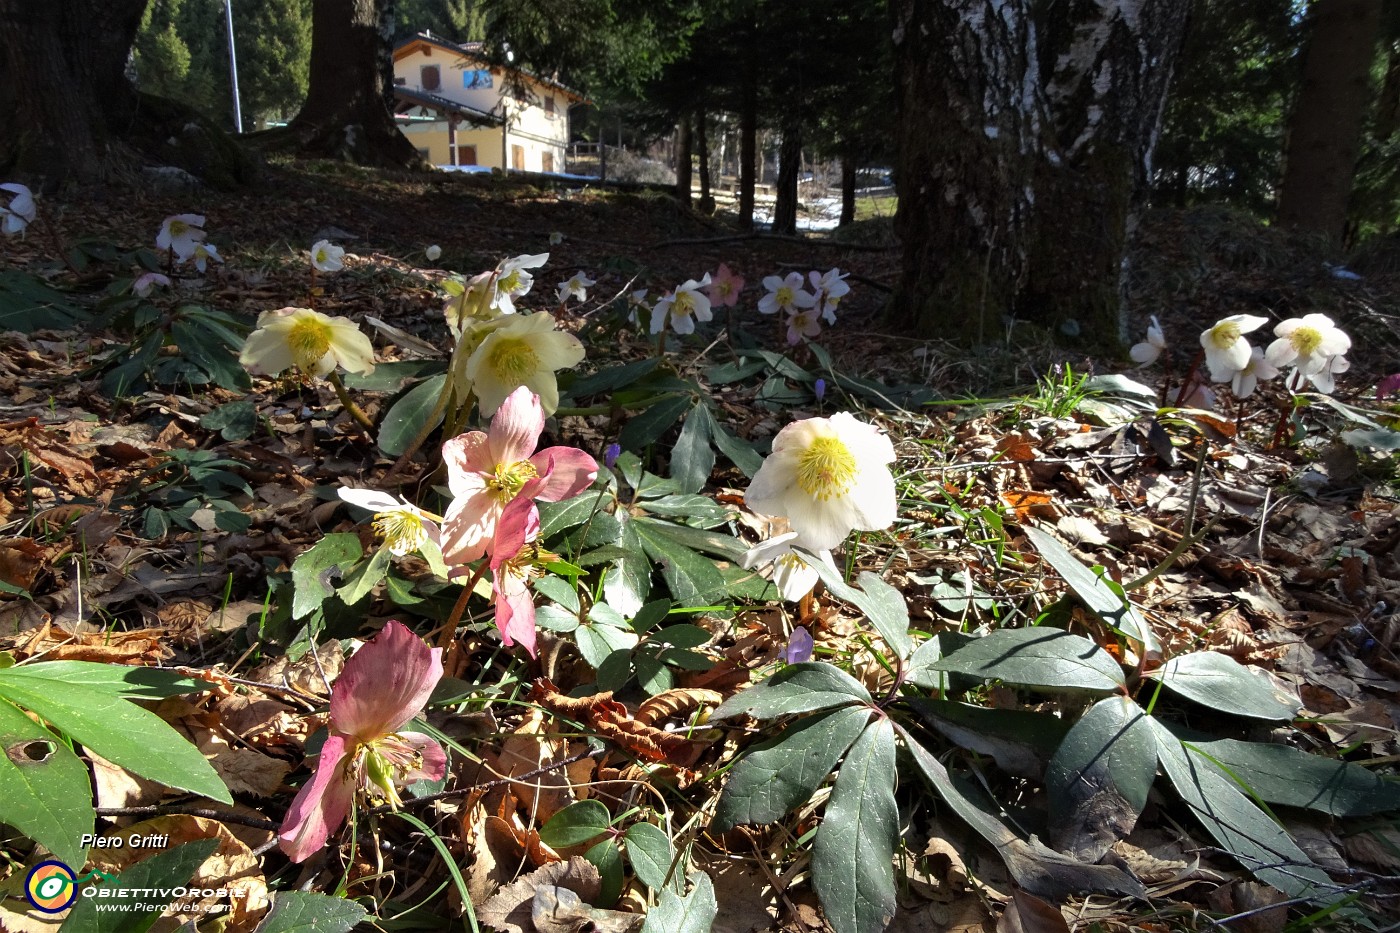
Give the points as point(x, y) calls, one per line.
point(598, 641)
point(310, 912)
point(116, 679)
point(919, 670)
point(783, 772)
point(649, 850)
point(1220, 682)
point(1240, 827)
point(44, 786)
point(28, 304)
point(1097, 783)
point(234, 420)
point(695, 510)
point(613, 377)
point(365, 577)
point(138, 912)
point(740, 452)
point(853, 855)
point(650, 614)
point(576, 824)
point(692, 458)
point(691, 577)
point(629, 584)
point(391, 377)
point(558, 517)
point(313, 570)
point(1048, 658)
point(797, 688)
point(1294, 778)
point(706, 542)
point(407, 417)
point(644, 428)
point(883, 605)
point(559, 590)
point(1112, 608)
point(118, 730)
point(693, 913)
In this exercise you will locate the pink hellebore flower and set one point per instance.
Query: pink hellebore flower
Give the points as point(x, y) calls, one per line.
point(512, 561)
point(147, 282)
point(382, 687)
point(487, 471)
point(724, 287)
point(1390, 385)
point(802, 324)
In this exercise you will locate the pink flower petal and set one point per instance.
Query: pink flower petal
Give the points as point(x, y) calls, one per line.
point(468, 461)
point(321, 805)
point(469, 526)
point(519, 525)
point(434, 758)
point(385, 684)
point(515, 609)
point(516, 427)
point(564, 472)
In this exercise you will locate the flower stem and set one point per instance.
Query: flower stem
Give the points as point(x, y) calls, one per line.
point(449, 628)
point(423, 434)
point(1190, 376)
point(351, 409)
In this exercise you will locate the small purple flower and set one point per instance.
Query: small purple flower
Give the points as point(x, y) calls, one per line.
point(611, 454)
point(1390, 385)
point(819, 389)
point(799, 647)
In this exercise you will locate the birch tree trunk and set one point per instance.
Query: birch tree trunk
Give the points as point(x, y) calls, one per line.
point(1025, 138)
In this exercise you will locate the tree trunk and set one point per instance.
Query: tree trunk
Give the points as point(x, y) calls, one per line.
point(1324, 133)
point(347, 113)
point(848, 190)
point(72, 116)
point(684, 176)
point(1025, 135)
point(702, 148)
point(748, 144)
point(789, 168)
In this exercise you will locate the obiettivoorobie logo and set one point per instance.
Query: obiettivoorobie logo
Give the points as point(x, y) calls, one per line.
point(52, 886)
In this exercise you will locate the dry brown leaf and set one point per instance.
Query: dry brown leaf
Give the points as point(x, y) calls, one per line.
point(139, 647)
point(244, 770)
point(308, 675)
point(1026, 913)
point(118, 787)
point(511, 909)
point(232, 865)
point(21, 562)
point(529, 748)
point(676, 704)
point(611, 720)
point(1376, 845)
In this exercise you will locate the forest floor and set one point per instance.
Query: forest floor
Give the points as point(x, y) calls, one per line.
point(1295, 575)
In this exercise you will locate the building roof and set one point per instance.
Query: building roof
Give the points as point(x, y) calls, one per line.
point(435, 102)
point(472, 50)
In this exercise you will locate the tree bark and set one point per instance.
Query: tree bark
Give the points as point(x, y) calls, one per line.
point(848, 190)
point(789, 169)
point(1025, 138)
point(347, 113)
point(1324, 133)
point(702, 149)
point(684, 175)
point(748, 143)
point(73, 117)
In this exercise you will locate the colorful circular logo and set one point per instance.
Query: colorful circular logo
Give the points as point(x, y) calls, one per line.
point(51, 887)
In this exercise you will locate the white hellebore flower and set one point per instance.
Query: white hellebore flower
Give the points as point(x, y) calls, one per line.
point(20, 212)
point(523, 350)
point(1308, 343)
point(512, 280)
point(829, 476)
point(434, 253)
point(830, 287)
point(1227, 352)
point(404, 527)
point(327, 257)
point(180, 233)
point(312, 342)
point(1247, 380)
point(203, 253)
point(785, 294)
point(792, 575)
point(686, 305)
point(1322, 379)
point(576, 287)
point(1149, 350)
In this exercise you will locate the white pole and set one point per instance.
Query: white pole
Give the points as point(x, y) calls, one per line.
point(233, 68)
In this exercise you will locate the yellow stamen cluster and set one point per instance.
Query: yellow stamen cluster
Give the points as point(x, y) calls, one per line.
point(826, 468)
point(784, 296)
point(684, 304)
point(309, 340)
point(401, 529)
point(1224, 334)
point(1305, 340)
point(382, 764)
point(513, 361)
point(509, 478)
